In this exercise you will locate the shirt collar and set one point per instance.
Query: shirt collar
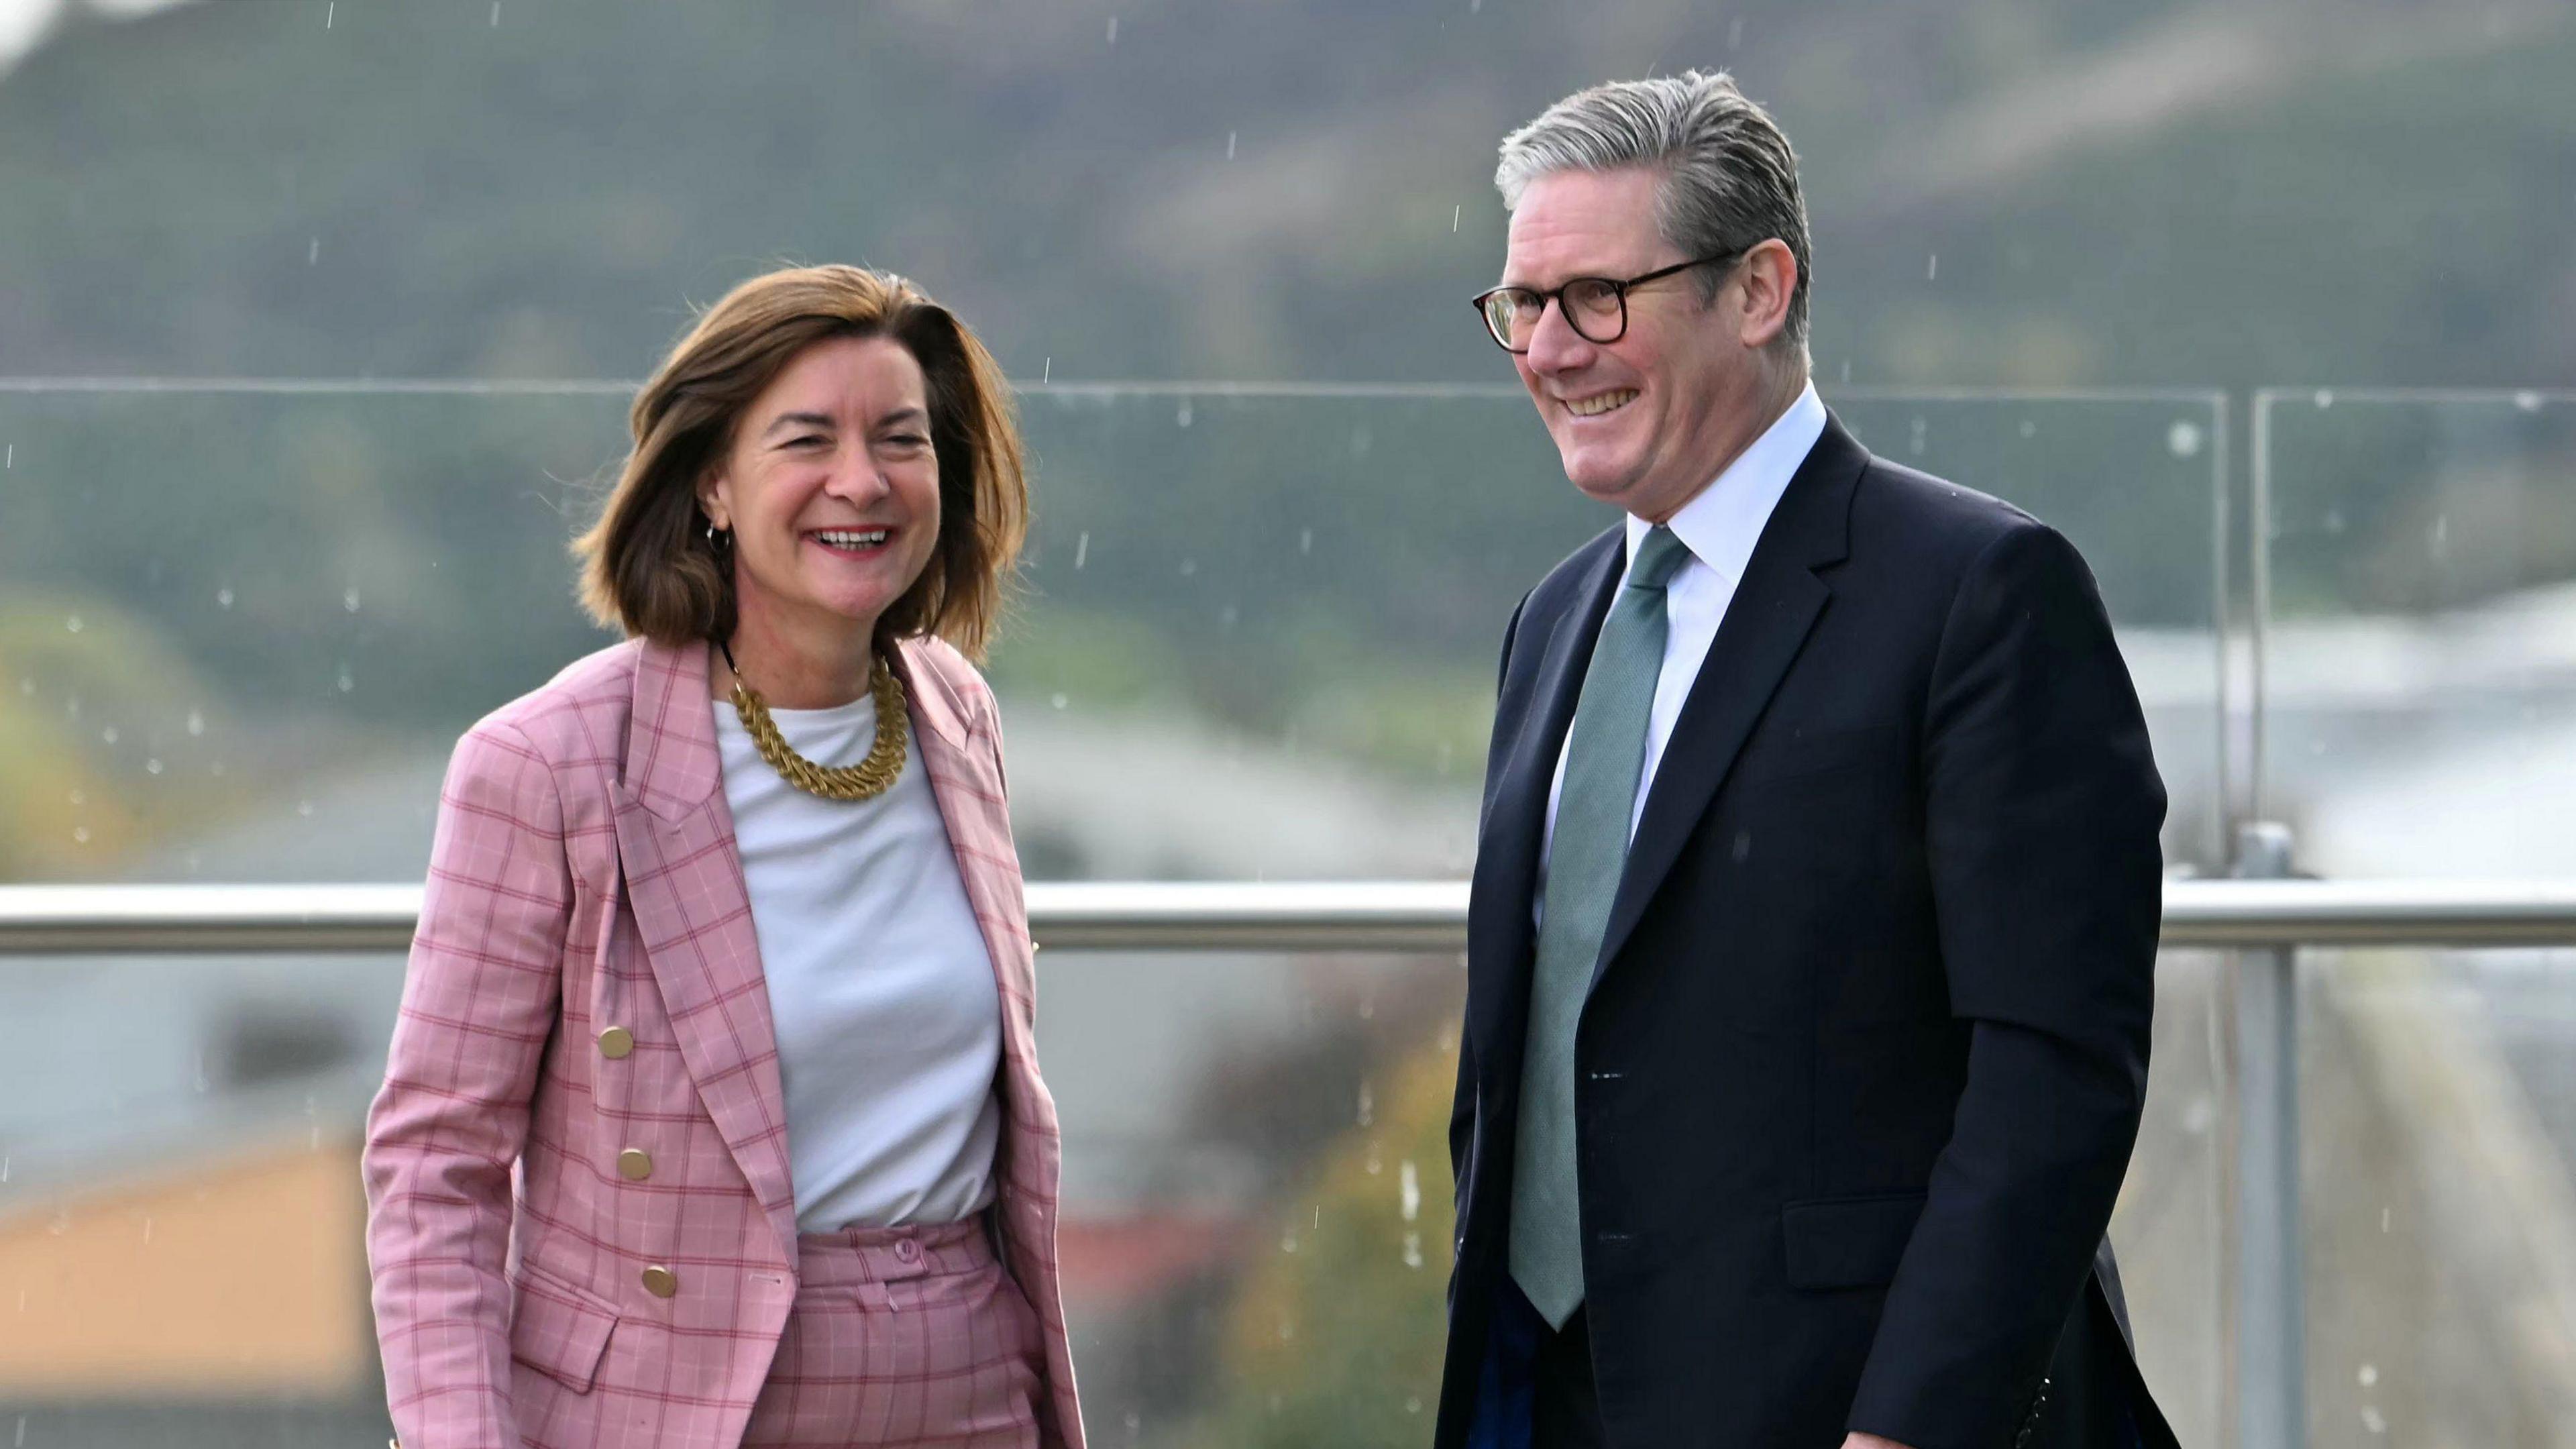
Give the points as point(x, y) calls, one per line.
point(1722, 522)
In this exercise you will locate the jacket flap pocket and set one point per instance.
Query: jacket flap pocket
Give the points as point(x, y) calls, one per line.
point(559, 1330)
point(1848, 1242)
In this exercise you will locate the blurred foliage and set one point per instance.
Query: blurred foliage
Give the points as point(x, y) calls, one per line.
point(1336, 1338)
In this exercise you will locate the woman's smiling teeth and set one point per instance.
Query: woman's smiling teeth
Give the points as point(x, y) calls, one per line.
point(850, 538)
point(1599, 403)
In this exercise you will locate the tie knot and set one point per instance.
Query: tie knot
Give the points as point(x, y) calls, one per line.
point(1657, 558)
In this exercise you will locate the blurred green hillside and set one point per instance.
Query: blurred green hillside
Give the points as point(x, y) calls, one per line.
point(2027, 192)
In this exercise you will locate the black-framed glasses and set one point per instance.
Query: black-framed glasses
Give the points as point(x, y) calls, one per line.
point(1595, 307)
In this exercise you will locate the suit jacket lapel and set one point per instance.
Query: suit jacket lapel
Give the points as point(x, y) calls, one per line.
point(684, 884)
point(1506, 873)
point(1767, 622)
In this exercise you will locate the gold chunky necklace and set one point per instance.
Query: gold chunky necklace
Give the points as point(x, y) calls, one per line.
point(865, 780)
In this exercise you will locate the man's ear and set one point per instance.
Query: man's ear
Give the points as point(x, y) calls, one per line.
point(1769, 273)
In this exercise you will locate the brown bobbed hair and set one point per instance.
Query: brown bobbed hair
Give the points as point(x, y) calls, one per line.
point(647, 565)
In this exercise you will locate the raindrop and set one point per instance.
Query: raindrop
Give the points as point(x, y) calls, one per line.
point(1413, 1250)
point(72, 624)
point(4, 1168)
point(1373, 1165)
point(2372, 1420)
point(2383, 1220)
point(1046, 372)
point(2334, 520)
point(1228, 617)
point(196, 722)
point(1059, 701)
point(313, 253)
point(2325, 397)
point(2029, 429)
point(147, 1229)
point(1305, 540)
point(80, 835)
point(1408, 1186)
point(80, 797)
point(12, 457)
point(1455, 213)
point(2441, 530)
point(1361, 442)
point(1287, 1332)
point(1735, 32)
point(1368, 1105)
point(2527, 401)
point(108, 735)
point(1189, 566)
point(223, 598)
point(1113, 30)
point(2183, 439)
point(1081, 551)
point(1229, 145)
point(2369, 1374)
point(304, 807)
point(1916, 433)
point(346, 683)
point(1932, 268)
point(1412, 1406)
point(1288, 1241)
point(152, 767)
point(496, 14)
point(22, 1419)
point(349, 601)
point(330, 13)
point(1184, 418)
point(62, 1222)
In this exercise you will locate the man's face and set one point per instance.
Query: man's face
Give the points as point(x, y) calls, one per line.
point(1647, 421)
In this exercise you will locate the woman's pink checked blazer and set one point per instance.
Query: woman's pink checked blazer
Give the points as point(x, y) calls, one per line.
point(584, 877)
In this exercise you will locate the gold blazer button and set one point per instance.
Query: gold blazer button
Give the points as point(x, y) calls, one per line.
point(615, 1043)
point(661, 1282)
point(634, 1164)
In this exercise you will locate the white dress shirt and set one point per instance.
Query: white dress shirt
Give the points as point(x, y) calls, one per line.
point(881, 990)
point(1719, 526)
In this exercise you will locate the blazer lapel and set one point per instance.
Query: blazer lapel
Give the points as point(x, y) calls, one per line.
point(1506, 871)
point(1767, 622)
point(684, 883)
point(974, 804)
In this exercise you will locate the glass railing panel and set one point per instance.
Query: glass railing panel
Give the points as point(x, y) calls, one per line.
point(239, 630)
point(2419, 679)
point(2439, 1120)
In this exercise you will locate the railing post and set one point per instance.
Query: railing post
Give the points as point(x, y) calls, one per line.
point(2271, 1304)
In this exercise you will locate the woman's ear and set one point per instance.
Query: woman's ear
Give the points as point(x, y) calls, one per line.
point(711, 500)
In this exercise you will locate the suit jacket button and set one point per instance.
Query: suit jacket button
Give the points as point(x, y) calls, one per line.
point(615, 1043)
point(661, 1282)
point(634, 1164)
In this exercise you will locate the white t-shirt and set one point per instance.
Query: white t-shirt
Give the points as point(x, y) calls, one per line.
point(880, 987)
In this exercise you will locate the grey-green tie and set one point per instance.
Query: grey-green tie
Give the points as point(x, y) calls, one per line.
point(1605, 754)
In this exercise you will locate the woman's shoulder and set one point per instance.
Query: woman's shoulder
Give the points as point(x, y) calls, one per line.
point(580, 713)
point(936, 664)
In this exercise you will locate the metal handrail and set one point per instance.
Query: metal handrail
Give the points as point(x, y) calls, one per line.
point(1247, 916)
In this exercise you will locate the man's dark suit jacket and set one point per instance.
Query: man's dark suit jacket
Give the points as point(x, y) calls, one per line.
point(1865, 1049)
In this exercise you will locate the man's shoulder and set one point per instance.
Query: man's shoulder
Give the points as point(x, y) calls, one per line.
point(1932, 518)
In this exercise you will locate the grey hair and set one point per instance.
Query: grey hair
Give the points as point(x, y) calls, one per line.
point(1729, 178)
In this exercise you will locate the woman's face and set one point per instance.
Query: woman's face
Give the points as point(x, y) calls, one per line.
point(830, 486)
